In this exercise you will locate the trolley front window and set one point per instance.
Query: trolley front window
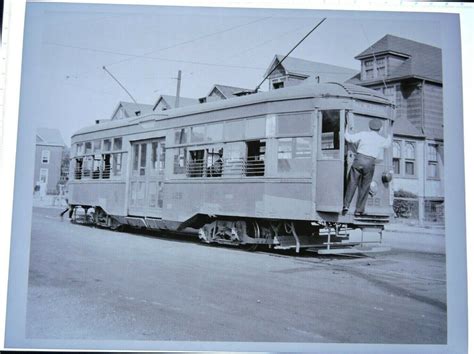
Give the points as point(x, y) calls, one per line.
point(330, 133)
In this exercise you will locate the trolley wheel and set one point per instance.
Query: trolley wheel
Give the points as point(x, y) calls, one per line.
point(253, 231)
point(250, 247)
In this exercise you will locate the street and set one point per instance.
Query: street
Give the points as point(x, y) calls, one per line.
point(91, 283)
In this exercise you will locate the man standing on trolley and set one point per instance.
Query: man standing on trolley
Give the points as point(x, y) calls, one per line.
point(369, 145)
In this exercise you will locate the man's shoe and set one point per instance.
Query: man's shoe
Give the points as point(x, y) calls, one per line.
point(359, 213)
point(345, 210)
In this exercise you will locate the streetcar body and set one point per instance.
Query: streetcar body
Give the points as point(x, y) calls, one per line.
point(249, 163)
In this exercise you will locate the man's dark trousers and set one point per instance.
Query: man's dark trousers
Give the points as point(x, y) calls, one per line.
point(360, 175)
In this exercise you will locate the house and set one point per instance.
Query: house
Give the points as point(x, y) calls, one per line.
point(223, 92)
point(50, 170)
point(410, 74)
point(130, 109)
point(165, 102)
point(292, 71)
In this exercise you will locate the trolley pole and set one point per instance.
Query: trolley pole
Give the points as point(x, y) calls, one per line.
point(178, 89)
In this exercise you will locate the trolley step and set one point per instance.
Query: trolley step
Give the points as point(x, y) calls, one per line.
point(288, 242)
point(354, 250)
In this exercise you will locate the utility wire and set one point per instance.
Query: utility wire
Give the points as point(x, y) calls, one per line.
point(147, 55)
point(150, 57)
point(292, 49)
point(259, 45)
point(195, 39)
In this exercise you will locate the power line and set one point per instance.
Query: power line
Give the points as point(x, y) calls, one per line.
point(150, 57)
point(195, 39)
point(147, 55)
point(279, 35)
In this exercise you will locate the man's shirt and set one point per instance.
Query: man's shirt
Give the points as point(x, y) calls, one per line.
point(369, 143)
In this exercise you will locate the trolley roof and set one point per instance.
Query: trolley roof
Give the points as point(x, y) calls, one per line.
point(305, 90)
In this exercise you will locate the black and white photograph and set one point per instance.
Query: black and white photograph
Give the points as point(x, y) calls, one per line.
point(231, 178)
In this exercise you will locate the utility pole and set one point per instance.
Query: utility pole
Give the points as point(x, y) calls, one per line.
point(178, 89)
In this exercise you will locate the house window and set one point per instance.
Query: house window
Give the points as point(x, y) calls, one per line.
point(433, 171)
point(278, 85)
point(369, 69)
point(409, 159)
point(45, 155)
point(43, 177)
point(390, 93)
point(397, 155)
point(381, 67)
point(404, 158)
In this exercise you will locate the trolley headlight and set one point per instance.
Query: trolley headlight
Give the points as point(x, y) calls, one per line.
point(373, 188)
point(387, 176)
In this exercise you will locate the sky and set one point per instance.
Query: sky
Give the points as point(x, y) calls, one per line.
point(66, 45)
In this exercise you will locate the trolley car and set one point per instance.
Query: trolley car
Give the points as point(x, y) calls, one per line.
point(263, 169)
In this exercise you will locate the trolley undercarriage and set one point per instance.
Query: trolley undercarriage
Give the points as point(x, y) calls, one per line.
point(363, 235)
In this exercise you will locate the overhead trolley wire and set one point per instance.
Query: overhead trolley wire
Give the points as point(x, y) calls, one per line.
point(147, 55)
point(195, 39)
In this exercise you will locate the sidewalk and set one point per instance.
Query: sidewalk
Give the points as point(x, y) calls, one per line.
point(49, 201)
point(401, 227)
point(415, 238)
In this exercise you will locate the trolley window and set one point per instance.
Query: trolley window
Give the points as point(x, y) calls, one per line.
point(294, 124)
point(214, 132)
point(255, 164)
point(330, 133)
point(88, 147)
point(143, 159)
point(96, 146)
point(181, 136)
point(197, 134)
point(117, 163)
point(195, 165)
point(79, 149)
point(234, 130)
point(107, 145)
point(293, 155)
point(179, 165)
point(117, 144)
point(214, 162)
point(255, 128)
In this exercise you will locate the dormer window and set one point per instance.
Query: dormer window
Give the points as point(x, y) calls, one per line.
point(382, 67)
point(373, 69)
point(369, 69)
point(277, 85)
